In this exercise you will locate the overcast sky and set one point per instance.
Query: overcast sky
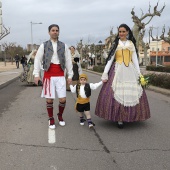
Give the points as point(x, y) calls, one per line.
point(87, 19)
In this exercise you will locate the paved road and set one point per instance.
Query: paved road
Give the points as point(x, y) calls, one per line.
point(25, 137)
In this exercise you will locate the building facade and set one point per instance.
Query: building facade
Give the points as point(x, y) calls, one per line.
point(159, 53)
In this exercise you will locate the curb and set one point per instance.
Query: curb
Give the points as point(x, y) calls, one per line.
point(8, 82)
point(151, 88)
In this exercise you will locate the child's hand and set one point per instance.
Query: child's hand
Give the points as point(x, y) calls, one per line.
point(104, 81)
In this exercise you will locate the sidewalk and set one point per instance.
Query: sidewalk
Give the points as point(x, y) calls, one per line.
point(153, 88)
point(8, 73)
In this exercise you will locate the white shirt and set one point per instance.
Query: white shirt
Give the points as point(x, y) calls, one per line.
point(93, 86)
point(54, 59)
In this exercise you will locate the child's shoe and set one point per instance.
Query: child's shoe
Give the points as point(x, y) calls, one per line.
point(82, 120)
point(91, 124)
point(51, 123)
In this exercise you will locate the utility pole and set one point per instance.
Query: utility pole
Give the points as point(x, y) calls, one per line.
point(0, 18)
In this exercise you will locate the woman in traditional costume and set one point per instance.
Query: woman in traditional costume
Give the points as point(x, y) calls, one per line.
point(122, 98)
point(77, 70)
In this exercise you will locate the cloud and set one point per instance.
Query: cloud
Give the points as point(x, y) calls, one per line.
point(76, 18)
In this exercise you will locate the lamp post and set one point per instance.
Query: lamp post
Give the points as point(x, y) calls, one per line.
point(100, 43)
point(32, 33)
point(156, 44)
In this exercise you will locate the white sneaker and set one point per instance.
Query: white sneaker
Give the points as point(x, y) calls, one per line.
point(51, 123)
point(52, 126)
point(62, 123)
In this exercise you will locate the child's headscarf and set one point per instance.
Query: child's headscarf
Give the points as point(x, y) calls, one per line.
point(83, 76)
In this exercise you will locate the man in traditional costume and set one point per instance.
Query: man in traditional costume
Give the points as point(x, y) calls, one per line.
point(55, 57)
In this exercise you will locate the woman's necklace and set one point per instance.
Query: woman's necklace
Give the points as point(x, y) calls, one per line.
point(124, 42)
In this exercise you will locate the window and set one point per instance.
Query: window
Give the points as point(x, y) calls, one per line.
point(153, 58)
point(168, 48)
point(167, 59)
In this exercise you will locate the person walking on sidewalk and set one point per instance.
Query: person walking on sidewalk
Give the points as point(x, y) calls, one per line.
point(122, 98)
point(23, 61)
point(17, 59)
point(55, 57)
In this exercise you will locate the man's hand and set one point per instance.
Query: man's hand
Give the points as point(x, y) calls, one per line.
point(36, 79)
point(69, 81)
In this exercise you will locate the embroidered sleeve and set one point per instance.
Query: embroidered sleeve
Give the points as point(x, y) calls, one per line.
point(94, 86)
point(69, 66)
point(38, 60)
point(107, 68)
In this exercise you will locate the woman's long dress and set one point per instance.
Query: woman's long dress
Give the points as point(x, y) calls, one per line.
point(122, 98)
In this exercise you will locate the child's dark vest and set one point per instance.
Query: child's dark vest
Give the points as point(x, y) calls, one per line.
point(87, 90)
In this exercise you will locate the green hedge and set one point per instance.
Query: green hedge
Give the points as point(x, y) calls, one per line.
point(159, 80)
point(99, 69)
point(159, 69)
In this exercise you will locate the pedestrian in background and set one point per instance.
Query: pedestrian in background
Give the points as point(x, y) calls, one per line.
point(30, 63)
point(56, 57)
point(23, 61)
point(17, 60)
point(77, 70)
point(122, 98)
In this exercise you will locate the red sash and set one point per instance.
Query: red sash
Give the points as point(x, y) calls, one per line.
point(54, 70)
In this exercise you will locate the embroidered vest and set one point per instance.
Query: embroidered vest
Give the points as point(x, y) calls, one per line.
point(87, 90)
point(123, 55)
point(48, 53)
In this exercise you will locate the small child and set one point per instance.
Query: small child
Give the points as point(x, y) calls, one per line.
point(83, 90)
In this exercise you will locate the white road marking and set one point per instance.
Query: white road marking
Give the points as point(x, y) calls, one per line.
point(54, 168)
point(51, 136)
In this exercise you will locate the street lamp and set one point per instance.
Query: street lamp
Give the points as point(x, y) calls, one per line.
point(156, 44)
point(32, 33)
point(100, 43)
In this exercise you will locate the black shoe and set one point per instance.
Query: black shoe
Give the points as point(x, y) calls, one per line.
point(91, 124)
point(82, 121)
point(120, 125)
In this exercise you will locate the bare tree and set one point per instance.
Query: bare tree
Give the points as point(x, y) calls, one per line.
point(144, 45)
point(166, 39)
point(5, 32)
point(138, 22)
point(109, 40)
point(11, 49)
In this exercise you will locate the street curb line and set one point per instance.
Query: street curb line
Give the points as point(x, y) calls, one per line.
point(8, 82)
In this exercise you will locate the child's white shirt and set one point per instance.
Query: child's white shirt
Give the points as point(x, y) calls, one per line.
point(93, 86)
